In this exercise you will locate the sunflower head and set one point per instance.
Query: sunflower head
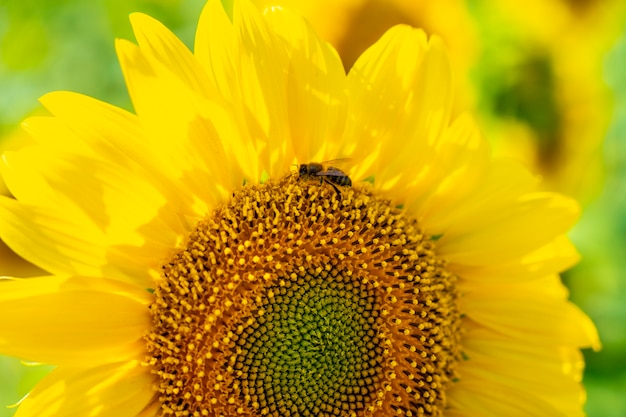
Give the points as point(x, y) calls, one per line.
point(306, 302)
point(421, 279)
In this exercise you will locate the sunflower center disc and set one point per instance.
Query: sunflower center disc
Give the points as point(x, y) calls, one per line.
point(294, 300)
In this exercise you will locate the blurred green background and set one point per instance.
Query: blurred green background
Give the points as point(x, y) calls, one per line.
point(547, 84)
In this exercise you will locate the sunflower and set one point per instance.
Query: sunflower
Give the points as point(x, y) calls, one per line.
point(205, 261)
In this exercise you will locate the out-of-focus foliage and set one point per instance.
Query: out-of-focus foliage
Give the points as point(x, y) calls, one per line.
point(545, 79)
point(68, 45)
point(17, 379)
point(598, 283)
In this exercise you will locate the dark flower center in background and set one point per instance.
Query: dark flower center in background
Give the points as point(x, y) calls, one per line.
point(294, 300)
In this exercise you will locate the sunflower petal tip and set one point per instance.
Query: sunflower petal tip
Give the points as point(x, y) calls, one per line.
point(49, 97)
point(138, 18)
point(594, 337)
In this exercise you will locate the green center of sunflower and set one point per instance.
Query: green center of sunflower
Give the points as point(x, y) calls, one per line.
point(314, 350)
point(296, 300)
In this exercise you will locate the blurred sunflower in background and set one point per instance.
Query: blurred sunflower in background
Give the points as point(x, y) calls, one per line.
point(542, 87)
point(457, 287)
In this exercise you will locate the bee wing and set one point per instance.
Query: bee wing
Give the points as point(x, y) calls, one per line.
point(338, 166)
point(331, 172)
point(341, 163)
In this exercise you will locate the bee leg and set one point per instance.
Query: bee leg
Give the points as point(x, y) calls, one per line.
point(334, 187)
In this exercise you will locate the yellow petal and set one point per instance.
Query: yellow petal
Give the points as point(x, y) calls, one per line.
point(541, 370)
point(159, 44)
point(457, 165)
point(531, 317)
point(114, 198)
point(556, 256)
point(427, 112)
point(531, 221)
point(121, 389)
point(248, 63)
point(99, 130)
point(498, 186)
point(192, 139)
point(101, 127)
point(215, 49)
point(50, 132)
point(563, 360)
point(59, 242)
point(166, 53)
point(316, 88)
point(490, 399)
point(76, 320)
point(400, 93)
point(262, 67)
point(62, 240)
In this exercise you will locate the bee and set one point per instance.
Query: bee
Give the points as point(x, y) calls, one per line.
point(325, 172)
